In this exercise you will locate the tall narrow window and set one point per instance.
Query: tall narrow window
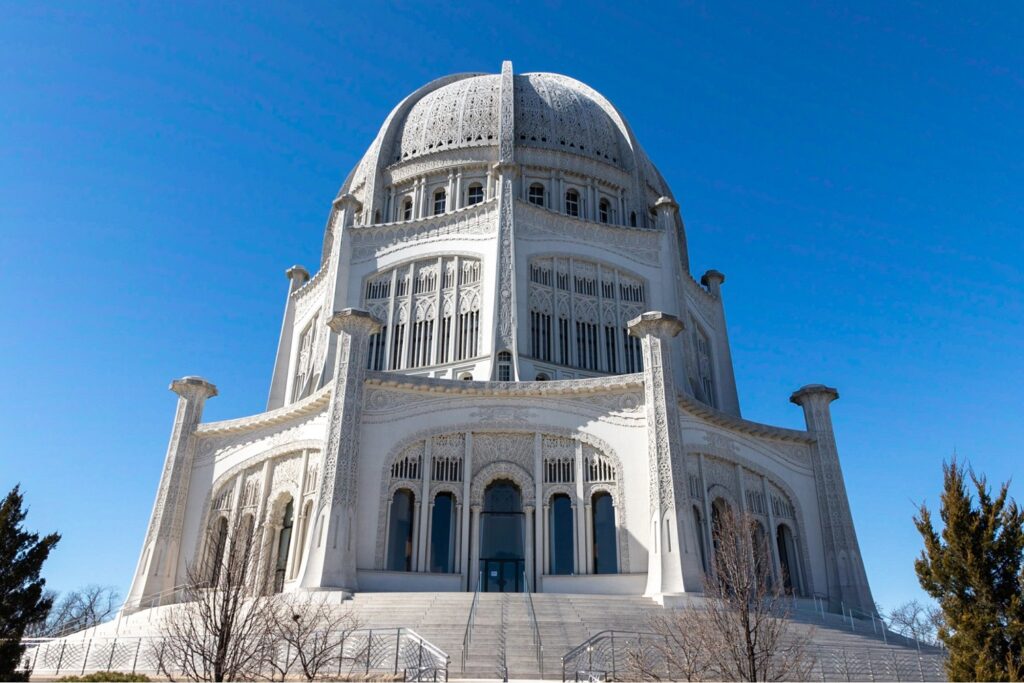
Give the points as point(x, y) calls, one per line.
point(632, 352)
point(604, 211)
point(788, 559)
point(407, 209)
point(284, 539)
point(439, 202)
point(504, 366)
point(442, 534)
point(698, 525)
point(632, 219)
point(606, 559)
point(540, 335)
point(572, 203)
point(536, 194)
point(475, 194)
point(400, 525)
point(300, 548)
point(217, 554)
point(560, 545)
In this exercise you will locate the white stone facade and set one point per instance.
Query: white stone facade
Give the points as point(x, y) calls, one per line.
point(504, 296)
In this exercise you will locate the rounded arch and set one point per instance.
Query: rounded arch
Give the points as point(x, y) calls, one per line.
point(502, 470)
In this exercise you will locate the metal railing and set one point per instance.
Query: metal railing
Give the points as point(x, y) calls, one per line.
point(538, 645)
point(859, 621)
point(467, 638)
point(608, 656)
point(362, 653)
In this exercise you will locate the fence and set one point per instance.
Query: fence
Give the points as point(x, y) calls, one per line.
point(361, 654)
point(630, 655)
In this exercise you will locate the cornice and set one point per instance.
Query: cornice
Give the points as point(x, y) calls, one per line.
point(562, 387)
point(738, 424)
point(307, 406)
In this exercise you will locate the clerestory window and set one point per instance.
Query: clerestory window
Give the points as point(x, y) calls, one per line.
point(474, 195)
point(536, 194)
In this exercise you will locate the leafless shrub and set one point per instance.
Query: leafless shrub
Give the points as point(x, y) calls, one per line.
point(221, 630)
point(915, 620)
point(740, 631)
point(309, 635)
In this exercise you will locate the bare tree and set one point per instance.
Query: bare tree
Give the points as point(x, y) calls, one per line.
point(310, 632)
point(78, 609)
point(741, 630)
point(918, 621)
point(221, 630)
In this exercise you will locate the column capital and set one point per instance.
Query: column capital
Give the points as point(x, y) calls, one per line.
point(353, 320)
point(656, 323)
point(192, 388)
point(509, 168)
point(344, 201)
point(297, 272)
point(666, 204)
point(808, 393)
point(528, 509)
point(712, 276)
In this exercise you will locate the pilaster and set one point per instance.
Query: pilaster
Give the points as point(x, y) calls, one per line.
point(297, 277)
point(725, 378)
point(847, 580)
point(673, 566)
point(158, 563)
point(332, 558)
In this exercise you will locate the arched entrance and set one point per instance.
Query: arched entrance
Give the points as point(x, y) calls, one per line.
point(502, 541)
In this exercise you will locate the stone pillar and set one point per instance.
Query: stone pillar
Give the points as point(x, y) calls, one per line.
point(725, 379)
point(157, 568)
point(474, 562)
point(282, 377)
point(588, 545)
point(332, 559)
point(847, 580)
point(426, 507)
point(466, 542)
point(674, 567)
point(528, 547)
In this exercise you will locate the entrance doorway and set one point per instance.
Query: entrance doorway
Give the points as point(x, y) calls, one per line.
point(502, 540)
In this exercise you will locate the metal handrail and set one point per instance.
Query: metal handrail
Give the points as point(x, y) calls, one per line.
point(842, 662)
point(538, 646)
point(467, 638)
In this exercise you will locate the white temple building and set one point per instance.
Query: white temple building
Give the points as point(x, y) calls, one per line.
point(503, 376)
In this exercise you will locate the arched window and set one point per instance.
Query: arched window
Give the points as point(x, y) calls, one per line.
point(632, 219)
point(606, 557)
point(542, 377)
point(560, 543)
point(475, 194)
point(442, 534)
point(466, 376)
point(376, 216)
point(439, 202)
point(759, 546)
point(604, 211)
point(400, 527)
point(284, 539)
point(535, 195)
point(407, 209)
point(721, 513)
point(307, 512)
point(698, 524)
point(217, 554)
point(504, 366)
point(788, 559)
point(572, 203)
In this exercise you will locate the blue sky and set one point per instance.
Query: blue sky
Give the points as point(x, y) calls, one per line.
point(856, 174)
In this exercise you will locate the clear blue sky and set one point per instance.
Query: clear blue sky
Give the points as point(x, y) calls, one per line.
point(857, 175)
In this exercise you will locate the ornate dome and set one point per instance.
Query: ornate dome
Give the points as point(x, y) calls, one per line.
point(551, 111)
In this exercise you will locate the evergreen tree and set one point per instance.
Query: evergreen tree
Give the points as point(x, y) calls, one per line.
point(22, 601)
point(973, 569)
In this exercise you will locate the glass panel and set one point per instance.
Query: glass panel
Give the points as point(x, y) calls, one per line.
point(400, 532)
point(605, 551)
point(561, 550)
point(501, 535)
point(284, 539)
point(441, 534)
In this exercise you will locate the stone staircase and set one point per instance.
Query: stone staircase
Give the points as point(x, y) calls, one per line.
point(503, 642)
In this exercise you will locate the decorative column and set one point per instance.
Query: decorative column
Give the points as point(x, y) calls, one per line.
point(588, 545)
point(507, 170)
point(546, 535)
point(725, 380)
point(528, 547)
point(157, 568)
point(579, 517)
point(332, 562)
point(466, 543)
point(474, 563)
point(426, 511)
point(282, 378)
point(674, 567)
point(847, 580)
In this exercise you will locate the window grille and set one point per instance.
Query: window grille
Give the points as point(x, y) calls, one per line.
point(474, 195)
